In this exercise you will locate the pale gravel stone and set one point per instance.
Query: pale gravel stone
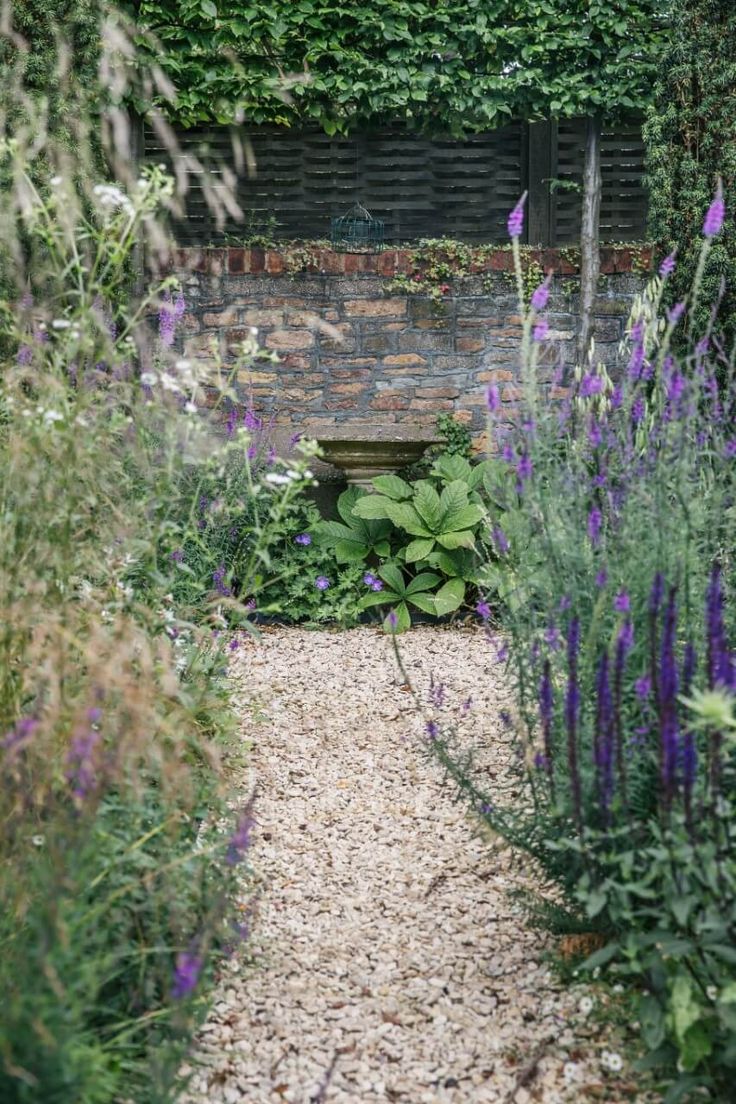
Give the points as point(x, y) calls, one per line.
point(388, 962)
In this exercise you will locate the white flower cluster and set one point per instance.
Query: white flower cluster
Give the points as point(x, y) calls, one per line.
point(110, 197)
point(185, 382)
point(611, 1061)
point(282, 479)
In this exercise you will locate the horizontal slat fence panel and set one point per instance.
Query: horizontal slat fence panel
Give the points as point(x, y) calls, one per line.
point(420, 186)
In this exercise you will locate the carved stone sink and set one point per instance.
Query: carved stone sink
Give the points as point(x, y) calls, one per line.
point(365, 451)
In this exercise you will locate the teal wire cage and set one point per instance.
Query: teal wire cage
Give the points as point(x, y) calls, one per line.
point(357, 232)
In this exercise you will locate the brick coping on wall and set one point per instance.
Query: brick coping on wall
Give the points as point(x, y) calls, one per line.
point(254, 260)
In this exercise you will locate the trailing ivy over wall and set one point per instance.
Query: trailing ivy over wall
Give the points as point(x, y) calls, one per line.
point(691, 140)
point(446, 65)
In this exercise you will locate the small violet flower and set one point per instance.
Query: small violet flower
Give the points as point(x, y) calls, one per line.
point(303, 539)
point(667, 266)
point(322, 582)
point(515, 221)
point(493, 398)
point(622, 602)
point(187, 969)
point(715, 215)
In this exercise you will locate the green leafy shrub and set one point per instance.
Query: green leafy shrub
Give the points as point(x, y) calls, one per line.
point(120, 860)
point(615, 592)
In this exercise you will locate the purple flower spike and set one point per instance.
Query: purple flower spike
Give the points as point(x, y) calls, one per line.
point(601, 578)
point(715, 215)
point(515, 222)
point(541, 330)
point(500, 540)
point(622, 602)
point(667, 266)
point(572, 708)
point(303, 539)
point(166, 321)
point(540, 296)
point(604, 739)
point(595, 523)
point(24, 356)
point(590, 385)
point(239, 841)
point(483, 610)
point(187, 969)
point(322, 582)
point(674, 315)
point(493, 398)
point(393, 620)
point(546, 707)
point(668, 691)
point(524, 467)
point(643, 687)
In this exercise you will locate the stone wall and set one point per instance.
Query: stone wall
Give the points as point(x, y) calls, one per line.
point(350, 353)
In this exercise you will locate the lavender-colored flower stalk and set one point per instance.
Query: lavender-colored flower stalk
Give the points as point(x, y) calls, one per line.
point(19, 734)
point(239, 841)
point(668, 691)
point(436, 693)
point(667, 266)
point(715, 215)
point(604, 740)
point(572, 706)
point(166, 321)
point(515, 222)
point(546, 707)
point(524, 467)
point(540, 296)
point(218, 578)
point(689, 754)
point(187, 970)
point(675, 314)
point(24, 356)
point(590, 385)
point(483, 610)
point(493, 398)
point(601, 578)
point(719, 668)
point(81, 772)
point(500, 540)
point(622, 602)
point(541, 330)
point(624, 642)
point(595, 523)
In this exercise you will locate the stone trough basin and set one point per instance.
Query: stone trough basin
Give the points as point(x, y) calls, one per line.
point(363, 452)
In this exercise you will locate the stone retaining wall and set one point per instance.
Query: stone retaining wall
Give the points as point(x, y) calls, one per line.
point(350, 353)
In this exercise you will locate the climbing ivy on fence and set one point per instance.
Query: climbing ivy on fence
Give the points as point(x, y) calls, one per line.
point(691, 142)
point(445, 65)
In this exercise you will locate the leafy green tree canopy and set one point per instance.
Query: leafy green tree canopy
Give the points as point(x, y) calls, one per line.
point(449, 65)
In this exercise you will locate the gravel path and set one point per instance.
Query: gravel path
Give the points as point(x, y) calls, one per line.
point(388, 962)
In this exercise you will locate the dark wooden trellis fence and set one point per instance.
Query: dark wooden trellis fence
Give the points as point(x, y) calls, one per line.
point(420, 186)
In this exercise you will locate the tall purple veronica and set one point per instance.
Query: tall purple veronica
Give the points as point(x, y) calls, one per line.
point(688, 750)
point(669, 684)
point(603, 746)
point(546, 706)
point(572, 709)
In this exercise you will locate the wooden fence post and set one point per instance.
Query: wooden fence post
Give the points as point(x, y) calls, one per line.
point(541, 166)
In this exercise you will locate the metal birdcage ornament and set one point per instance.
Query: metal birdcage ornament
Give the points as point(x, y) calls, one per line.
point(357, 232)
